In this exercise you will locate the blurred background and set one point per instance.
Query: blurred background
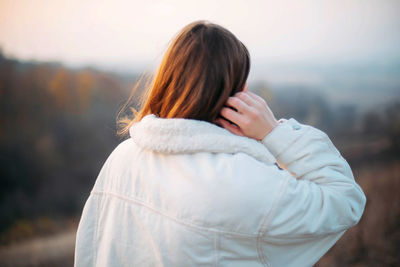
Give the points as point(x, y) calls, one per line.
point(66, 68)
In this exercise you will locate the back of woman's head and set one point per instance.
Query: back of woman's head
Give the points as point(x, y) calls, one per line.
point(203, 66)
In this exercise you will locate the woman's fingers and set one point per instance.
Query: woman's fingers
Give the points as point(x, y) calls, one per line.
point(237, 103)
point(256, 98)
point(246, 98)
point(232, 115)
point(252, 117)
point(229, 126)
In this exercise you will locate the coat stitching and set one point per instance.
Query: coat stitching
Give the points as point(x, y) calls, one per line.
point(96, 227)
point(189, 224)
point(265, 222)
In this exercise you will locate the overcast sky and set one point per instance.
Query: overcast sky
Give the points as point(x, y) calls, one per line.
point(129, 33)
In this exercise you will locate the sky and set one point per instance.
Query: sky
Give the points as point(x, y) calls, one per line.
point(136, 33)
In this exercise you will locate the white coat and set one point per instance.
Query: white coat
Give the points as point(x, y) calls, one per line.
point(184, 192)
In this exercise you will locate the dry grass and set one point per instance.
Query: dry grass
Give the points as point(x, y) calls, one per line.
point(57, 250)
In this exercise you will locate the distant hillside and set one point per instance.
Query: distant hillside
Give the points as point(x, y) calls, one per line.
point(366, 86)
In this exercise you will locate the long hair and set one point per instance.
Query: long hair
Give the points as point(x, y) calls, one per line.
point(204, 65)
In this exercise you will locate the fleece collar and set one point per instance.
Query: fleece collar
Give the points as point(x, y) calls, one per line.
point(179, 135)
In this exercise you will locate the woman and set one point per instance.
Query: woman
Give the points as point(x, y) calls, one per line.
point(209, 177)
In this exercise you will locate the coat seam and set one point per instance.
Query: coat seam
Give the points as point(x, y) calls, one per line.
point(136, 201)
point(96, 227)
point(266, 220)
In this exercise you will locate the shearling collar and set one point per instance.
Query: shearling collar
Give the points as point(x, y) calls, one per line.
point(190, 136)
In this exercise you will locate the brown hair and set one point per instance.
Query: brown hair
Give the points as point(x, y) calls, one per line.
point(203, 66)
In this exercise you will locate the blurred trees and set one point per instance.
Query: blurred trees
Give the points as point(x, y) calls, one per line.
point(57, 127)
point(393, 119)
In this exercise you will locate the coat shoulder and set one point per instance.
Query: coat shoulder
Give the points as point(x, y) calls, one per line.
point(228, 192)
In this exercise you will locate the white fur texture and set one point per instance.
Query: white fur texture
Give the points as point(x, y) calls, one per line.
point(191, 136)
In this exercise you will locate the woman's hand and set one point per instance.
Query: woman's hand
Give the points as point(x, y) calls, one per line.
point(249, 114)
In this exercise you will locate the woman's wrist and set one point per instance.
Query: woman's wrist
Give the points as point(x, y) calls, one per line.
point(283, 135)
point(271, 127)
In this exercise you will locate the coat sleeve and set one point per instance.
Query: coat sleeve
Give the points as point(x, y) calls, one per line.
point(319, 201)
